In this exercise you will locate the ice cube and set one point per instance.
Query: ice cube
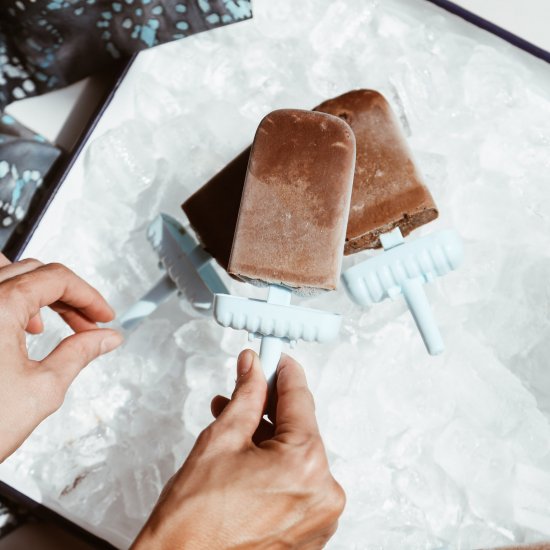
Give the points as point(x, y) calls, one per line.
point(91, 495)
point(141, 488)
point(426, 486)
point(368, 486)
point(477, 461)
point(532, 498)
point(121, 163)
point(154, 101)
point(200, 336)
point(196, 411)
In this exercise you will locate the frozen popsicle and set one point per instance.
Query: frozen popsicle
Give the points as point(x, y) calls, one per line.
point(388, 190)
point(291, 228)
point(295, 202)
point(213, 209)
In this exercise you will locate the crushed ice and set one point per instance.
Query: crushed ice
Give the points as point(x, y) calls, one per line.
point(428, 449)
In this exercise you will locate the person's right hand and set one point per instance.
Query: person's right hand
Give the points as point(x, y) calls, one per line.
point(249, 484)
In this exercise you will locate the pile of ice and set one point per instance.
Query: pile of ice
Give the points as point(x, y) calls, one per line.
point(432, 452)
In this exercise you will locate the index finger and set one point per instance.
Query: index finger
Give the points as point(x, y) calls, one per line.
point(295, 414)
point(54, 283)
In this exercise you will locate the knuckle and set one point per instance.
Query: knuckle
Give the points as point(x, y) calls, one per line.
point(227, 434)
point(18, 288)
point(85, 350)
point(4, 291)
point(215, 439)
point(296, 438)
point(208, 436)
point(314, 459)
point(308, 396)
point(330, 502)
point(337, 499)
point(307, 458)
point(56, 268)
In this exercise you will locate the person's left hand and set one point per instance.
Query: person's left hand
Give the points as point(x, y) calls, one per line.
point(32, 390)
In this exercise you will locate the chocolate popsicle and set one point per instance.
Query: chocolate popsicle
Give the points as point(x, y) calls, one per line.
point(290, 229)
point(213, 209)
point(388, 191)
point(295, 202)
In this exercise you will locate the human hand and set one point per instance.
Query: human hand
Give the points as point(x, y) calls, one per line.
point(32, 390)
point(247, 483)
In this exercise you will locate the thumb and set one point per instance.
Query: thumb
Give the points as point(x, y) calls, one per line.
point(75, 352)
point(242, 415)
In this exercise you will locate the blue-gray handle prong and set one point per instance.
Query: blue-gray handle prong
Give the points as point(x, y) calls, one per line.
point(419, 306)
point(163, 290)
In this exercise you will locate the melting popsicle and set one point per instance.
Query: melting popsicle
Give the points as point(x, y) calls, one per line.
point(291, 227)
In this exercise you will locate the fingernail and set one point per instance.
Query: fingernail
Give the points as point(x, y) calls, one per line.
point(110, 343)
point(245, 362)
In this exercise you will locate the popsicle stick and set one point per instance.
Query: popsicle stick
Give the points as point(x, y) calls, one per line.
point(188, 267)
point(159, 294)
point(270, 354)
point(271, 346)
point(421, 311)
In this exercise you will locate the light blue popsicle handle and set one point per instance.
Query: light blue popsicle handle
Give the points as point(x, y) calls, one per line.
point(270, 353)
point(159, 294)
point(271, 346)
point(413, 291)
